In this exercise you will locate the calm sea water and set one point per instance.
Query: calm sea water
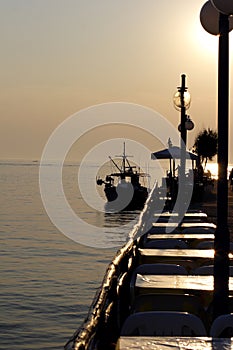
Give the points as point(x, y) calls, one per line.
point(47, 280)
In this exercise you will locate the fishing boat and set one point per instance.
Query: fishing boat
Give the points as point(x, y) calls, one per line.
point(122, 188)
point(157, 292)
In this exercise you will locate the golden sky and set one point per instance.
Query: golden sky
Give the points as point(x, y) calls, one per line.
point(60, 56)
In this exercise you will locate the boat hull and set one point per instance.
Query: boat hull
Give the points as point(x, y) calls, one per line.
point(124, 198)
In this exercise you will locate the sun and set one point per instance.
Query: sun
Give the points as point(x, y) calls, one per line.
point(206, 42)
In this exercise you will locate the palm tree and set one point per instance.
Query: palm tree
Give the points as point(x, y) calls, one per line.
point(206, 145)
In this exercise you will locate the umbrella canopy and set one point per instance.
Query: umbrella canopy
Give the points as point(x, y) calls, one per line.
point(172, 152)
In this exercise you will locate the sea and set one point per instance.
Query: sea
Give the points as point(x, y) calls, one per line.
point(49, 277)
point(48, 280)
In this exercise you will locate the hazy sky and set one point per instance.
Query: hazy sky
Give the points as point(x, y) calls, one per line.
point(59, 56)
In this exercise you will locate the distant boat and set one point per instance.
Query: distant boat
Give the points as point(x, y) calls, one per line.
point(122, 188)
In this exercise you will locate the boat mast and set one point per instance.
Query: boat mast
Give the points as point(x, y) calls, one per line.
point(124, 156)
point(124, 159)
point(125, 164)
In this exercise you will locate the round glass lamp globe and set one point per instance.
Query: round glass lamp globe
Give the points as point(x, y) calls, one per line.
point(179, 102)
point(224, 6)
point(189, 125)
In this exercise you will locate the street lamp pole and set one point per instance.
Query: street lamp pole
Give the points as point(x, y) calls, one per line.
point(182, 90)
point(181, 101)
point(221, 260)
point(183, 140)
point(216, 20)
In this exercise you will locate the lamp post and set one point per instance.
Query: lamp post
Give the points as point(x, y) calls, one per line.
point(214, 18)
point(181, 100)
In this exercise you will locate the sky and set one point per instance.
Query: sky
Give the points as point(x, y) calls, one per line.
point(61, 56)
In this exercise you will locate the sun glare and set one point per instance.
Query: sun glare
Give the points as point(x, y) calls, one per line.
point(206, 42)
point(213, 168)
